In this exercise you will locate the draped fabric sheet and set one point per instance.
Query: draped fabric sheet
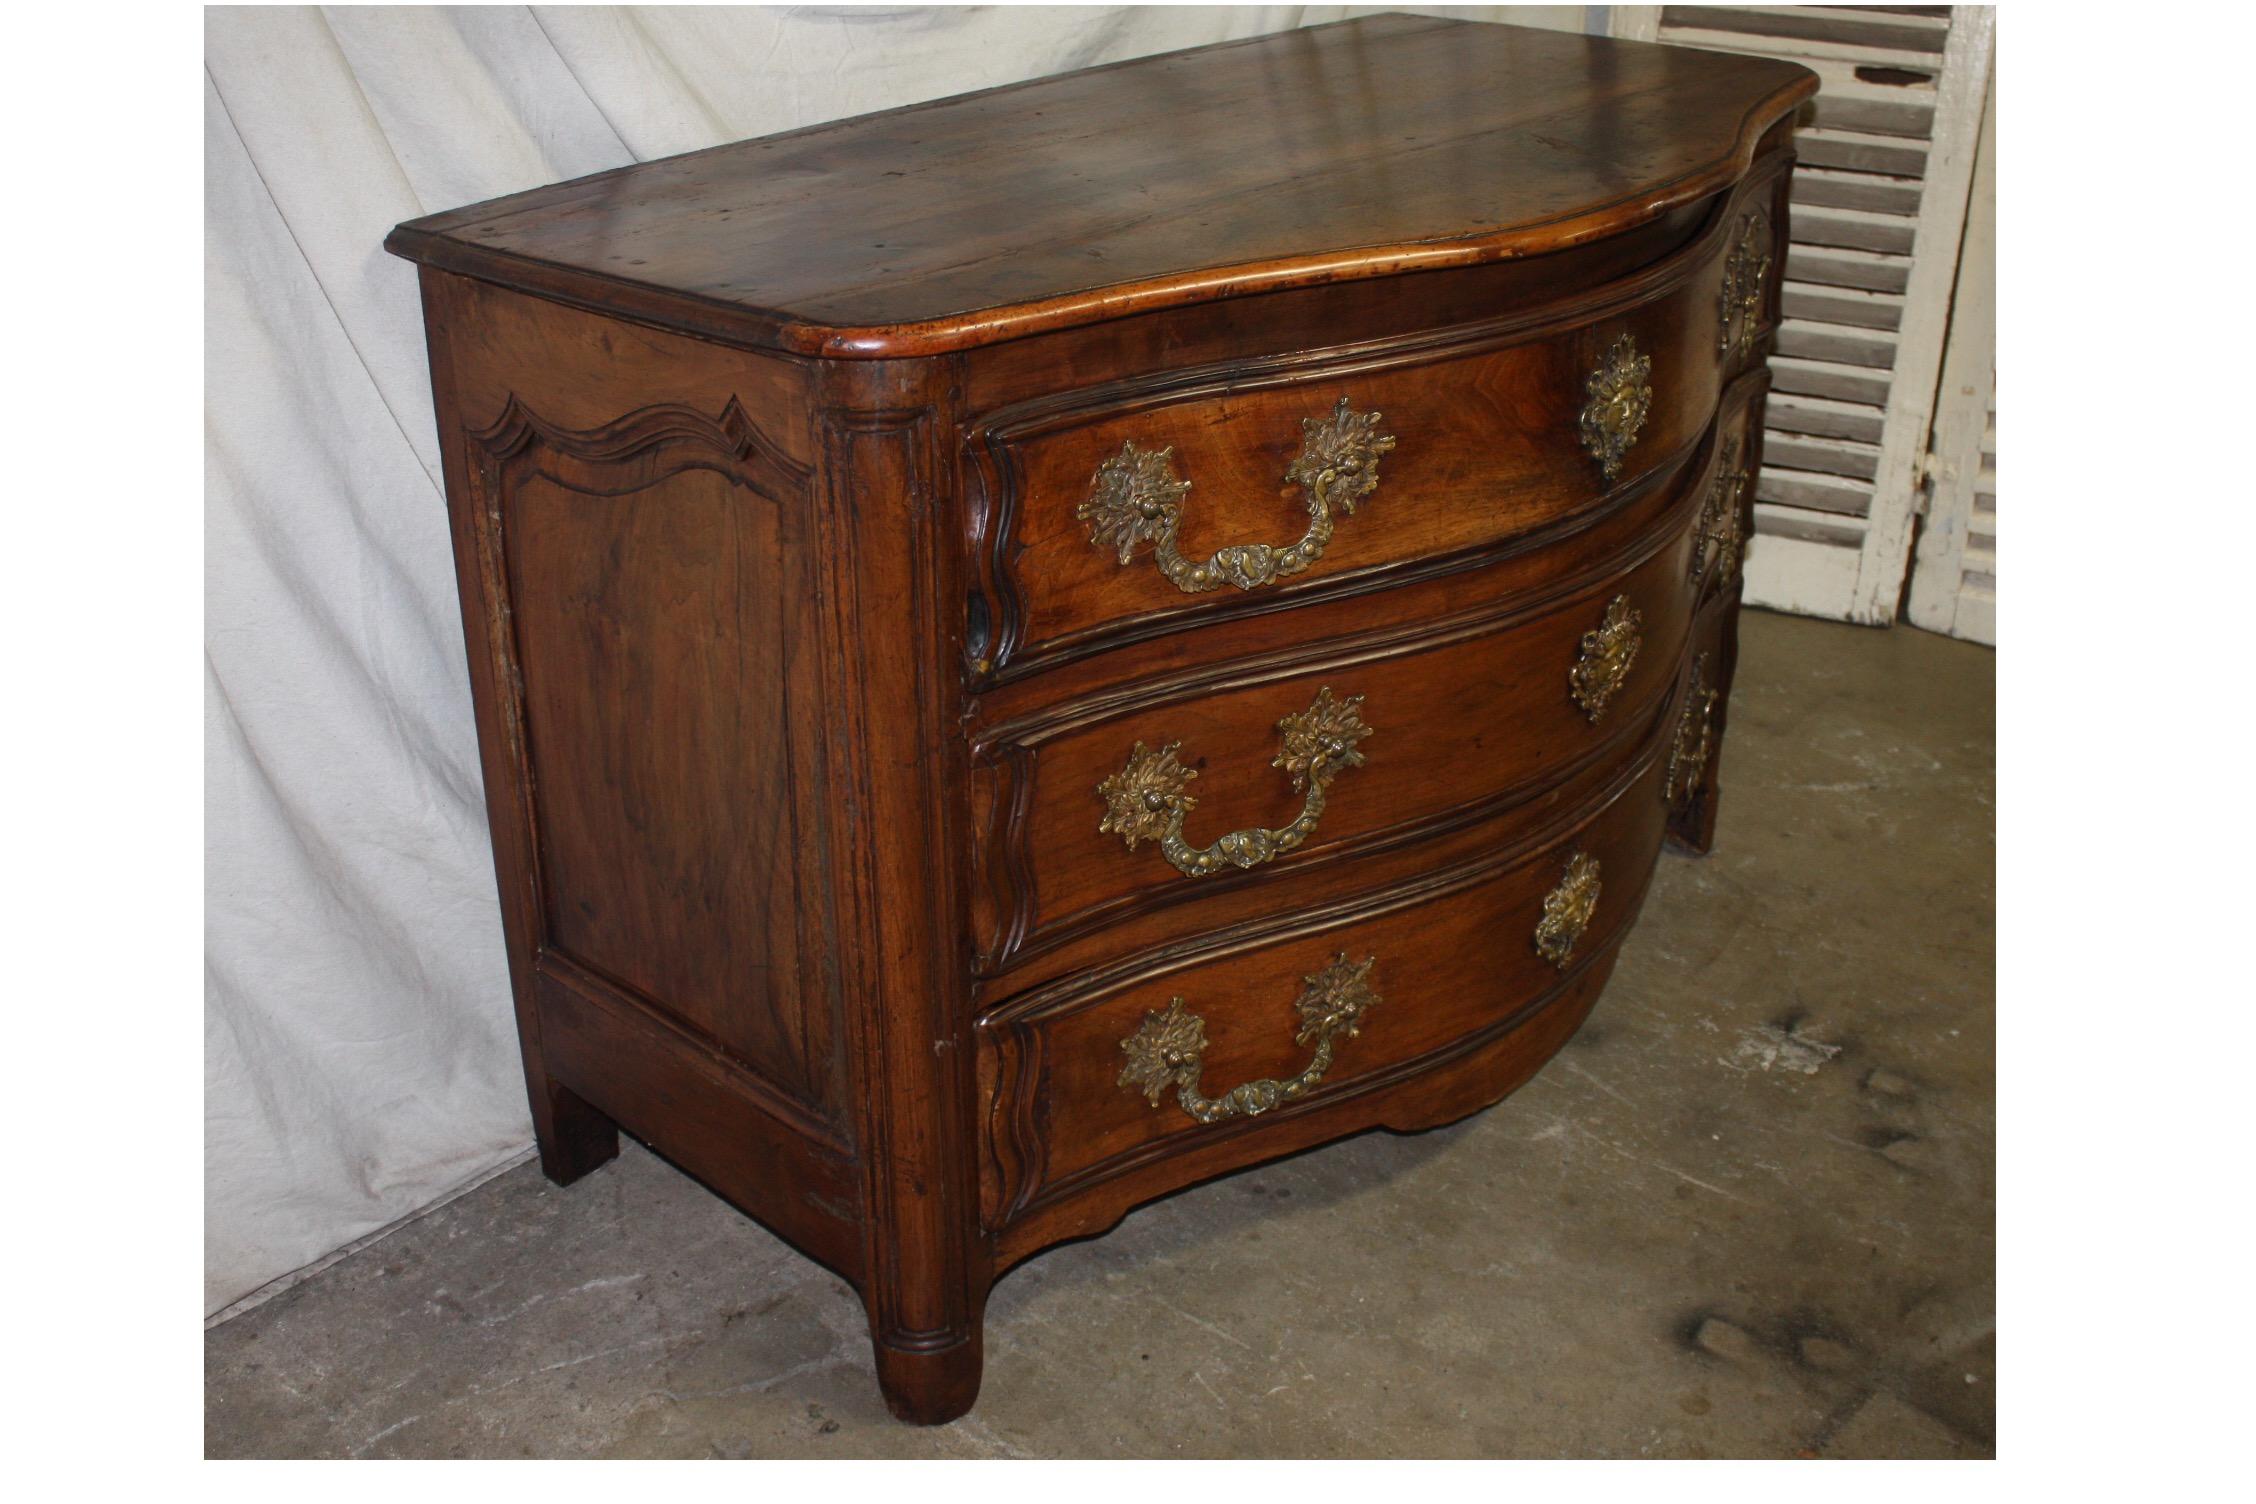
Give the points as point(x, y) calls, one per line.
point(360, 1052)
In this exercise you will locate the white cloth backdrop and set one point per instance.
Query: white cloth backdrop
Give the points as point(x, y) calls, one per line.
point(360, 1059)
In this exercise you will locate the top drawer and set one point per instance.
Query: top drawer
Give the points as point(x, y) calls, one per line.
point(1112, 514)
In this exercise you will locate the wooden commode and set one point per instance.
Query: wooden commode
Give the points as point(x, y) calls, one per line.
point(1034, 649)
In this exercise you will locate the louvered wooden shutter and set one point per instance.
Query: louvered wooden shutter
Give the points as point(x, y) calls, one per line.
point(1954, 569)
point(1879, 202)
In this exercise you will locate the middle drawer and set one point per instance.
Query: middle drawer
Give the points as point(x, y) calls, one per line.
point(1098, 813)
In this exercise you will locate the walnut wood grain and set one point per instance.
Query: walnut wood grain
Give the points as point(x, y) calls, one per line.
point(1485, 448)
point(794, 670)
point(650, 569)
point(1463, 716)
point(1471, 664)
point(1366, 149)
point(1456, 955)
point(1486, 402)
point(1476, 1071)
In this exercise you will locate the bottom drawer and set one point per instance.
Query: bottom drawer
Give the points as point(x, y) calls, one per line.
point(1108, 1072)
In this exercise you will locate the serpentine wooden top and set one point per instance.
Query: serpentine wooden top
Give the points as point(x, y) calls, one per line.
point(1388, 144)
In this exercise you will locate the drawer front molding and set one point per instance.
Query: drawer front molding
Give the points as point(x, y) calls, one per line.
point(1169, 1049)
point(1136, 497)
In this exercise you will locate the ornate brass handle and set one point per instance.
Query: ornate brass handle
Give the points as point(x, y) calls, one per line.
point(1146, 799)
point(1135, 498)
point(1170, 1048)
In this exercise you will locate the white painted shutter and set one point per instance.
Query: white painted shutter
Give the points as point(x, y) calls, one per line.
point(1954, 568)
point(1880, 195)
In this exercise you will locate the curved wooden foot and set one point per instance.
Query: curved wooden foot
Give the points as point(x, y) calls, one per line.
point(930, 1385)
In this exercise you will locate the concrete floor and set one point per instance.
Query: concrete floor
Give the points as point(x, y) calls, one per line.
point(1747, 1213)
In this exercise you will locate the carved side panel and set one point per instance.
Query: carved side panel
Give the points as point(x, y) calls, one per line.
point(644, 580)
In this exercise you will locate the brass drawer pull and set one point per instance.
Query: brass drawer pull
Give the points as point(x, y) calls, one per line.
point(1567, 910)
point(1621, 394)
point(1147, 799)
point(1135, 498)
point(1608, 651)
point(1170, 1048)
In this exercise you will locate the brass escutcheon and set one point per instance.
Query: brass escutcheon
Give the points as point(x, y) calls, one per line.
point(1739, 311)
point(1567, 910)
point(1694, 740)
point(1608, 651)
point(1721, 539)
point(1620, 395)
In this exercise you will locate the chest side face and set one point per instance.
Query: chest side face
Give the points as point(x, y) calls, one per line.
point(636, 509)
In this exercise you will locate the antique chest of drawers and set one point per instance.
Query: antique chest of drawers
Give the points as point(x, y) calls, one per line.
point(1037, 648)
